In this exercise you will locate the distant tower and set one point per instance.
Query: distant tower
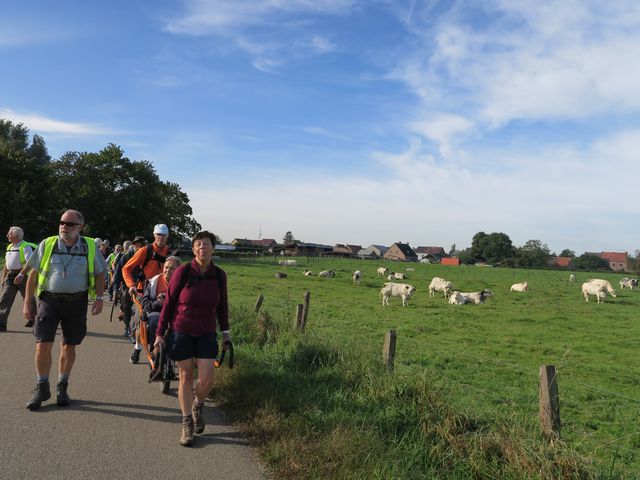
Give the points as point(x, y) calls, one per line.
point(260, 232)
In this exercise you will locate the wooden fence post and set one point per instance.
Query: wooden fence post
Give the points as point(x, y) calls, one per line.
point(389, 349)
point(297, 320)
point(258, 303)
point(549, 402)
point(305, 309)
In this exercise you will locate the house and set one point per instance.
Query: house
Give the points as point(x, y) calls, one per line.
point(560, 262)
point(344, 251)
point(259, 246)
point(618, 261)
point(430, 254)
point(401, 252)
point(372, 252)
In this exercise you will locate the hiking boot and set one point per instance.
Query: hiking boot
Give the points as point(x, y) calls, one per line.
point(40, 394)
point(135, 357)
point(186, 436)
point(198, 416)
point(3, 328)
point(29, 324)
point(62, 399)
point(127, 333)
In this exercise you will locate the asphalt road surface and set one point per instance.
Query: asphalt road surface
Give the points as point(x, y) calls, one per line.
point(118, 426)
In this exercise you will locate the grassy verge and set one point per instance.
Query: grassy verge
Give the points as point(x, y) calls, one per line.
point(316, 409)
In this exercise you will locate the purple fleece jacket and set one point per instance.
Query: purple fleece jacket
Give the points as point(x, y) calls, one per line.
point(194, 309)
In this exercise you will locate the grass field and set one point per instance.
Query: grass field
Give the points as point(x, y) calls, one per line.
point(480, 363)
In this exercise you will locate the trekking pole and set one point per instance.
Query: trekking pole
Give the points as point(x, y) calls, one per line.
point(218, 363)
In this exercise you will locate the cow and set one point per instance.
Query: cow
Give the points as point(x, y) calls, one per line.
point(460, 298)
point(382, 271)
point(629, 283)
point(287, 262)
point(589, 288)
point(391, 277)
point(439, 285)
point(401, 290)
point(357, 276)
point(606, 286)
point(399, 276)
point(572, 278)
point(307, 273)
point(327, 273)
point(520, 287)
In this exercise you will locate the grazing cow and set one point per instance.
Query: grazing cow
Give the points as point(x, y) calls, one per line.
point(410, 269)
point(357, 276)
point(439, 285)
point(589, 288)
point(572, 278)
point(401, 290)
point(606, 286)
point(391, 277)
point(629, 283)
point(399, 276)
point(382, 271)
point(287, 262)
point(327, 273)
point(460, 298)
point(307, 273)
point(520, 287)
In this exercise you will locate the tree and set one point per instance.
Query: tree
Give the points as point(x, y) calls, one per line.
point(534, 253)
point(589, 262)
point(452, 250)
point(567, 253)
point(491, 248)
point(288, 238)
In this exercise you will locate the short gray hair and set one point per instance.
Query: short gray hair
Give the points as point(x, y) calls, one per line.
point(126, 245)
point(17, 231)
point(174, 259)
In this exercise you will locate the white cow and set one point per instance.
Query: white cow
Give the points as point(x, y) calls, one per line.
point(287, 263)
point(572, 278)
point(439, 285)
point(357, 276)
point(589, 288)
point(307, 273)
point(327, 273)
point(382, 271)
point(520, 287)
point(391, 277)
point(460, 298)
point(606, 286)
point(399, 276)
point(401, 290)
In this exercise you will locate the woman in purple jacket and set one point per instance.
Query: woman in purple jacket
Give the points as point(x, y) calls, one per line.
point(190, 313)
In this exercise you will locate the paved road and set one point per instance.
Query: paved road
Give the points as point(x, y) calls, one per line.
point(117, 427)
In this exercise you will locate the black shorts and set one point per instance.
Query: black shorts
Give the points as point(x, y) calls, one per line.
point(70, 314)
point(183, 346)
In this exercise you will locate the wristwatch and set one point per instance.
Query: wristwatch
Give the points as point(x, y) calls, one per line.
point(99, 297)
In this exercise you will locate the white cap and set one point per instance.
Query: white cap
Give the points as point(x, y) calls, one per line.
point(98, 241)
point(161, 229)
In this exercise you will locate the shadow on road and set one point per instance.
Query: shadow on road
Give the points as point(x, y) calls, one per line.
point(222, 438)
point(128, 410)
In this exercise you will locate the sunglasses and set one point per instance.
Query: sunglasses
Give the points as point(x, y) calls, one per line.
point(69, 224)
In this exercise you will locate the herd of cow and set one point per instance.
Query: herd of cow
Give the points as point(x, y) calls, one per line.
point(593, 287)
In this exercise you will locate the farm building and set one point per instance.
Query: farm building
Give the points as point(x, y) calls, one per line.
point(618, 261)
point(401, 252)
point(430, 254)
point(560, 262)
point(259, 246)
point(344, 251)
point(302, 249)
point(454, 261)
point(372, 252)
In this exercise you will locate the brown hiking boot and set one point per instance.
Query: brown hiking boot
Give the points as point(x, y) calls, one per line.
point(198, 416)
point(186, 436)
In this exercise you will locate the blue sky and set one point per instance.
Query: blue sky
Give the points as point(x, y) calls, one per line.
point(351, 121)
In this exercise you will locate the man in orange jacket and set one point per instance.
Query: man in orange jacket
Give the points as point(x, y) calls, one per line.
point(145, 264)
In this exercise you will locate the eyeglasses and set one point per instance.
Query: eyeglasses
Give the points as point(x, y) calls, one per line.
point(69, 224)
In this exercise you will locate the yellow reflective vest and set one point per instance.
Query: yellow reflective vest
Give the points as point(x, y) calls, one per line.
point(45, 261)
point(21, 246)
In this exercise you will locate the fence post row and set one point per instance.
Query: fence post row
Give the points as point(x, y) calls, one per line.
point(305, 309)
point(297, 320)
point(389, 349)
point(549, 402)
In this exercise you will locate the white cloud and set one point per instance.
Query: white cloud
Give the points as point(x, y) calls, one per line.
point(442, 129)
point(41, 123)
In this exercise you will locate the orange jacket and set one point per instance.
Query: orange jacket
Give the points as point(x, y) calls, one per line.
point(151, 269)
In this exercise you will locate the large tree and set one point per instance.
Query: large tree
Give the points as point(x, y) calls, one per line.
point(534, 253)
point(491, 248)
point(588, 261)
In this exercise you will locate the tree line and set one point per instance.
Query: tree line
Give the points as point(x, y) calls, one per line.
point(119, 197)
point(497, 249)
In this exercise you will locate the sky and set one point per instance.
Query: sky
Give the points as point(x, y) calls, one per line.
point(348, 121)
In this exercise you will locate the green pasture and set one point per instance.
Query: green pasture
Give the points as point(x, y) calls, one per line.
point(483, 359)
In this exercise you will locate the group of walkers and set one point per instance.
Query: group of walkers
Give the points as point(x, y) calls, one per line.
point(179, 305)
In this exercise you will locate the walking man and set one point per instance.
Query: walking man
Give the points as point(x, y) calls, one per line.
point(66, 272)
point(18, 252)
